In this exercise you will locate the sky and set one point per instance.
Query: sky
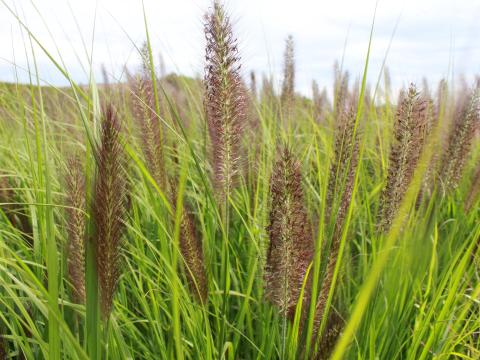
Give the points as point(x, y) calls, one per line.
point(416, 38)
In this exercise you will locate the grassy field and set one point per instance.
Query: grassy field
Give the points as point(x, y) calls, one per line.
point(166, 217)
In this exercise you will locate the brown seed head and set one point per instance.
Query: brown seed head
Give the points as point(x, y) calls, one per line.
point(109, 207)
point(409, 137)
point(144, 111)
point(224, 97)
point(291, 243)
point(75, 183)
point(466, 123)
point(339, 197)
point(191, 250)
point(288, 85)
point(474, 192)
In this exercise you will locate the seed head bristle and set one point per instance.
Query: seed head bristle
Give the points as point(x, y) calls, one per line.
point(341, 181)
point(224, 97)
point(146, 66)
point(149, 121)
point(345, 156)
point(474, 192)
point(340, 90)
point(320, 103)
point(291, 242)
point(434, 112)
point(466, 122)
point(75, 186)
point(428, 180)
point(329, 338)
point(106, 80)
point(253, 85)
point(109, 207)
point(409, 137)
point(268, 92)
point(288, 85)
point(191, 250)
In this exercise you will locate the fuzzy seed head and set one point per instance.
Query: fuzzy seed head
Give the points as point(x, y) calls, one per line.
point(474, 192)
point(345, 159)
point(109, 208)
point(75, 183)
point(410, 127)
point(466, 123)
point(291, 242)
point(288, 85)
point(143, 98)
point(191, 250)
point(339, 197)
point(224, 97)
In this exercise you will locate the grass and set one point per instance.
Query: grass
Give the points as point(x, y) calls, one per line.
point(408, 291)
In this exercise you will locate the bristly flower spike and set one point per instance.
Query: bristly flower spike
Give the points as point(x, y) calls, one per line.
point(224, 97)
point(109, 207)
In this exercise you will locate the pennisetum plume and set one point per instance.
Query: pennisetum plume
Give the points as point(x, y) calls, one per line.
point(344, 156)
point(428, 181)
point(224, 97)
point(340, 90)
point(466, 122)
point(191, 250)
point(109, 207)
point(76, 207)
point(267, 93)
point(291, 242)
point(436, 113)
point(320, 103)
point(341, 181)
point(474, 192)
point(144, 110)
point(409, 137)
point(253, 85)
point(190, 244)
point(106, 81)
point(288, 84)
point(330, 336)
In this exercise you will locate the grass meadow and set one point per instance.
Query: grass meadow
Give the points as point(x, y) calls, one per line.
point(168, 217)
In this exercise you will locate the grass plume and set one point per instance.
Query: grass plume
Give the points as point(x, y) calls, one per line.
point(109, 207)
point(191, 249)
point(330, 336)
point(253, 85)
point(320, 103)
point(76, 221)
point(344, 160)
point(339, 196)
point(224, 97)
point(465, 124)
point(288, 84)
point(474, 192)
point(409, 136)
point(340, 90)
point(149, 121)
point(291, 243)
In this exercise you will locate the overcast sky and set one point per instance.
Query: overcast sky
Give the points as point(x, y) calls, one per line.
point(433, 37)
